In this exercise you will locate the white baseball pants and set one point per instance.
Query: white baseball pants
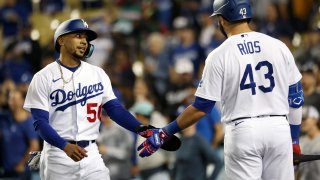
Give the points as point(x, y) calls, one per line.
point(56, 165)
point(259, 149)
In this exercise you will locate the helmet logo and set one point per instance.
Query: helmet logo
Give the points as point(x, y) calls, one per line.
point(243, 12)
point(85, 24)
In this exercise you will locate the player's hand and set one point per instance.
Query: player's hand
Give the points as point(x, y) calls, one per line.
point(156, 137)
point(75, 152)
point(145, 131)
point(296, 151)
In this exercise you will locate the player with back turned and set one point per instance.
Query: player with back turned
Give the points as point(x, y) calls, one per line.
point(65, 99)
point(256, 79)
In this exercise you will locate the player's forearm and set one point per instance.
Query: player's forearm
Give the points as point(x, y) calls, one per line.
point(190, 116)
point(295, 116)
point(120, 115)
point(45, 131)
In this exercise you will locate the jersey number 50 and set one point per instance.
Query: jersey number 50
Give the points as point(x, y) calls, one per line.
point(252, 85)
point(94, 111)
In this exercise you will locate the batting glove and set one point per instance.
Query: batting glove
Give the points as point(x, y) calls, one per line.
point(156, 138)
point(296, 147)
point(145, 131)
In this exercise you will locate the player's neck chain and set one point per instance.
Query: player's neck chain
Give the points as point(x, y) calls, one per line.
point(65, 81)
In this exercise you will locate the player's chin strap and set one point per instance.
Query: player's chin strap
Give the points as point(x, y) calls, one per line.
point(89, 51)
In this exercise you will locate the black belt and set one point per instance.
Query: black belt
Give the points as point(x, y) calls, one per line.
point(257, 117)
point(82, 144)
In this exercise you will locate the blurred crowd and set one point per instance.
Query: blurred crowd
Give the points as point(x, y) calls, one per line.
point(154, 52)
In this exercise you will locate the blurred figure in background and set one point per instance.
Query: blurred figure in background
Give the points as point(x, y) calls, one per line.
point(193, 157)
point(309, 82)
point(6, 87)
point(211, 129)
point(17, 138)
point(182, 86)
point(187, 46)
point(154, 167)
point(103, 45)
point(156, 65)
point(310, 142)
point(119, 69)
point(15, 66)
point(273, 25)
point(12, 16)
point(115, 145)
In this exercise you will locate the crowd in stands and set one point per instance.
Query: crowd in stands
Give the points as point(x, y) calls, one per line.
point(154, 53)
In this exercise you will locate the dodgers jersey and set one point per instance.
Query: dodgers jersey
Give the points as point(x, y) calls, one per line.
point(74, 108)
point(250, 74)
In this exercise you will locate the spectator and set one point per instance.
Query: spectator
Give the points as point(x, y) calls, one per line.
point(273, 25)
point(141, 91)
point(310, 142)
point(119, 69)
point(311, 96)
point(103, 44)
point(15, 66)
point(181, 87)
point(115, 145)
point(156, 63)
point(193, 156)
point(208, 28)
point(211, 128)
point(12, 16)
point(7, 86)
point(164, 12)
point(18, 138)
point(51, 7)
point(154, 167)
point(187, 47)
point(32, 50)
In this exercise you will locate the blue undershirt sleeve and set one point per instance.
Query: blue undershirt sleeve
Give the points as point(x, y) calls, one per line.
point(204, 105)
point(295, 132)
point(120, 115)
point(199, 103)
point(45, 131)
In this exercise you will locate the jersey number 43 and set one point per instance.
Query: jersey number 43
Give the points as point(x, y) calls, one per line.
point(248, 74)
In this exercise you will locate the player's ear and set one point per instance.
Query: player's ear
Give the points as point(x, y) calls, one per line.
point(60, 41)
point(221, 20)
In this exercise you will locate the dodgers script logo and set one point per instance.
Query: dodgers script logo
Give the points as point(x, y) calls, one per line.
point(84, 93)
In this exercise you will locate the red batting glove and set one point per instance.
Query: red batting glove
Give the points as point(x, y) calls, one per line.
point(153, 143)
point(296, 149)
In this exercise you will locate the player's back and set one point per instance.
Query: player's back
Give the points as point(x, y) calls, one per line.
point(256, 71)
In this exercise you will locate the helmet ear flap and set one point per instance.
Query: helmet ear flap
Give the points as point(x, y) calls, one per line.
point(89, 51)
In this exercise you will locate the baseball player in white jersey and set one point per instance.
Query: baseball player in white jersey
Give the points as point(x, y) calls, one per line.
point(256, 79)
point(65, 99)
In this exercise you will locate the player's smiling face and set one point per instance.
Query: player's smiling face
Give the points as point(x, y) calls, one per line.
point(76, 44)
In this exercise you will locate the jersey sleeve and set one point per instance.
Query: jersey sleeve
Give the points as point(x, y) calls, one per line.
point(108, 91)
point(294, 73)
point(37, 95)
point(210, 86)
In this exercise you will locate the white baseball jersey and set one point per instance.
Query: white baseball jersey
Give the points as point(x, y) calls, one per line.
point(250, 74)
point(74, 108)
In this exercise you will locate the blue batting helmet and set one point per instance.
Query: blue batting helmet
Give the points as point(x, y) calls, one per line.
point(232, 10)
point(71, 26)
